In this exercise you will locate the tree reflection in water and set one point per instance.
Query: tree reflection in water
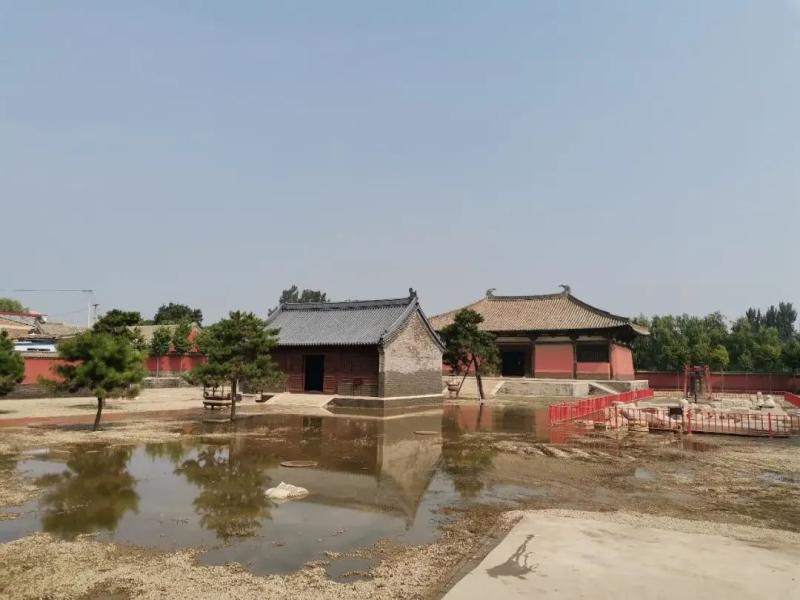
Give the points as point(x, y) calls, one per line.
point(232, 482)
point(93, 494)
point(466, 462)
point(172, 451)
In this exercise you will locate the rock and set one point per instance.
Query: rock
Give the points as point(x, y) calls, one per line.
point(532, 450)
point(505, 446)
point(579, 453)
point(553, 452)
point(286, 491)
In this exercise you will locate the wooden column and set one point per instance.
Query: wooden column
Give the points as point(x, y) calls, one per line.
point(611, 358)
point(574, 357)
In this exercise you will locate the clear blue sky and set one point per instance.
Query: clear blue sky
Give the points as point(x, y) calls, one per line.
point(646, 153)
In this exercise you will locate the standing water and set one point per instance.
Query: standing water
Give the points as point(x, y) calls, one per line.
point(369, 479)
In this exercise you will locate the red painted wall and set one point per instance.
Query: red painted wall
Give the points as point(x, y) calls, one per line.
point(40, 367)
point(342, 367)
point(554, 360)
point(622, 362)
point(594, 370)
point(173, 363)
point(730, 382)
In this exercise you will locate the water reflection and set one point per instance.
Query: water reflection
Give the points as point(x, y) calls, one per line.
point(361, 463)
point(499, 418)
point(466, 464)
point(173, 451)
point(93, 494)
point(231, 501)
point(374, 478)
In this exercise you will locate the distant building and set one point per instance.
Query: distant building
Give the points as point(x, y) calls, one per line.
point(32, 331)
point(555, 336)
point(17, 325)
point(35, 345)
point(381, 348)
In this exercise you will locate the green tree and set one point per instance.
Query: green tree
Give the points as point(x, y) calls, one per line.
point(170, 314)
point(782, 318)
point(754, 317)
point(757, 341)
point(767, 350)
point(294, 295)
point(106, 365)
point(237, 349)
point(665, 348)
point(467, 347)
point(12, 305)
point(180, 337)
point(160, 344)
point(718, 358)
point(791, 355)
point(122, 323)
point(12, 365)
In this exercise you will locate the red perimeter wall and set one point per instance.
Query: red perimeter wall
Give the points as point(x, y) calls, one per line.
point(38, 366)
point(173, 363)
point(729, 382)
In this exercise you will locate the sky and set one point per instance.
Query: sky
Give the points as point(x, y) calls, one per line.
point(214, 153)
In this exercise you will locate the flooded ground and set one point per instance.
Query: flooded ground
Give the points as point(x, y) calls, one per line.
point(372, 479)
point(400, 481)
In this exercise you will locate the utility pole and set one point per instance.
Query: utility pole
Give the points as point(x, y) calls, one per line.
point(93, 314)
point(90, 315)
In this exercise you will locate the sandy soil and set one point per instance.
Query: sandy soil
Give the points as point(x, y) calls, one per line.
point(149, 400)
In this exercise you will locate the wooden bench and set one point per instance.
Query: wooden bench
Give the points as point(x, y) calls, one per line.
point(215, 404)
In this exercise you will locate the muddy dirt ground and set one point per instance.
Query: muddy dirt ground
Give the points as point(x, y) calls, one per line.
point(704, 479)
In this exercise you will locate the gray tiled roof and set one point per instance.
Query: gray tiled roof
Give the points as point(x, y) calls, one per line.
point(22, 319)
point(359, 323)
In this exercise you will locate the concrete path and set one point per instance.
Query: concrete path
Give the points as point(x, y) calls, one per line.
point(551, 556)
point(603, 388)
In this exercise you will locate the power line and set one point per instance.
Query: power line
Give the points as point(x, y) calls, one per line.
point(44, 290)
point(65, 314)
point(92, 307)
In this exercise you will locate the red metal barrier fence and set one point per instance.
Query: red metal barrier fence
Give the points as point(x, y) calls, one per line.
point(792, 399)
point(568, 411)
point(707, 421)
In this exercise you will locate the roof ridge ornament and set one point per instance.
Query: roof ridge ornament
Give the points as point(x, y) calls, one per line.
point(490, 292)
point(565, 289)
